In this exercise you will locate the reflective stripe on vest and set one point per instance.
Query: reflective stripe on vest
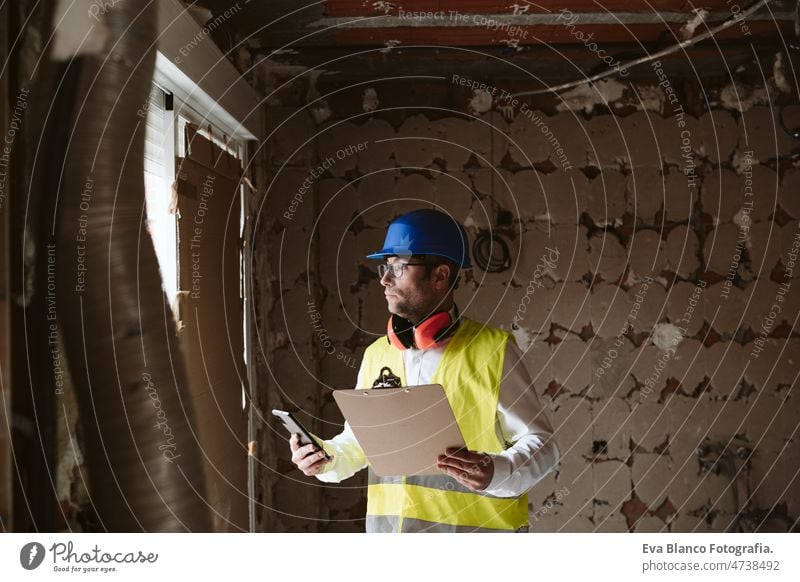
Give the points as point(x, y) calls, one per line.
point(472, 364)
point(389, 524)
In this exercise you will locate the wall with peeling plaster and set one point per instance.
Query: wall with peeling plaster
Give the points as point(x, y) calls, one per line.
point(635, 237)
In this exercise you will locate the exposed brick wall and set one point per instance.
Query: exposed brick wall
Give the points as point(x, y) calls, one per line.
point(640, 336)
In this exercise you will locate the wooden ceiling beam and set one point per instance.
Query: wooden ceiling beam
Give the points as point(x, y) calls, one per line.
point(535, 65)
point(370, 8)
point(544, 34)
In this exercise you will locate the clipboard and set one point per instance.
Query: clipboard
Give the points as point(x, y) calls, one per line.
point(401, 430)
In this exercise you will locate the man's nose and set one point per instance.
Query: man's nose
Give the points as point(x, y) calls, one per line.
point(387, 278)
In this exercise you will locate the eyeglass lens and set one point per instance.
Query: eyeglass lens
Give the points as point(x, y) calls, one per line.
point(395, 268)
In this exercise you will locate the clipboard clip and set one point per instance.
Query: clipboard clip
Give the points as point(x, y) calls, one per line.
point(387, 379)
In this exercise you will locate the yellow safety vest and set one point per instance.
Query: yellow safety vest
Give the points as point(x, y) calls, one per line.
point(470, 372)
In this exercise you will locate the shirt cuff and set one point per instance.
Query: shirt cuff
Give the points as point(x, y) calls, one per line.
point(502, 471)
point(329, 475)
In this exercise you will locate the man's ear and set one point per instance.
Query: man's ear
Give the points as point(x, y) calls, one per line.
point(442, 274)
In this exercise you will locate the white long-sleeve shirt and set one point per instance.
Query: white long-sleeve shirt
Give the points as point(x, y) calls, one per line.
point(520, 422)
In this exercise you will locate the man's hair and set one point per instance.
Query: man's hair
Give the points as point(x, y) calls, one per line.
point(434, 261)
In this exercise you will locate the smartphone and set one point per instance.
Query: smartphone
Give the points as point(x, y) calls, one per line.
point(294, 427)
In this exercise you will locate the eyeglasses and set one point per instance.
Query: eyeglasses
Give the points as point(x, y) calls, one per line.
point(396, 269)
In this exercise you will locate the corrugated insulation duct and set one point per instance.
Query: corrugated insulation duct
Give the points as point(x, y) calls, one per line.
point(144, 465)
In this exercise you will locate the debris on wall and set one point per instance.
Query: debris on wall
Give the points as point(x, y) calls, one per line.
point(661, 292)
point(283, 83)
point(667, 336)
point(481, 102)
point(688, 29)
point(370, 101)
point(779, 75)
point(586, 97)
point(390, 45)
point(742, 98)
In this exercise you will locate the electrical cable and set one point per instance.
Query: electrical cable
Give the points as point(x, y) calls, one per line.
point(791, 132)
point(483, 251)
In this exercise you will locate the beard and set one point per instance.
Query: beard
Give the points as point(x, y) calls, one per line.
point(404, 309)
point(413, 312)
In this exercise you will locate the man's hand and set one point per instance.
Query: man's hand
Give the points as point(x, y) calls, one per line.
point(307, 458)
point(470, 468)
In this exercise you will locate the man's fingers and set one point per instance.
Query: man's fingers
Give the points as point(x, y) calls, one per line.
point(294, 443)
point(466, 461)
point(468, 470)
point(318, 466)
point(308, 458)
point(302, 453)
point(305, 450)
point(471, 469)
point(457, 464)
point(312, 463)
point(464, 455)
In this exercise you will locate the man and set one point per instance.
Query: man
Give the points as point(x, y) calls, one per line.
point(509, 440)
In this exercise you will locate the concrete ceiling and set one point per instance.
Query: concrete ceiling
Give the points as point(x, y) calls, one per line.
point(295, 24)
point(552, 40)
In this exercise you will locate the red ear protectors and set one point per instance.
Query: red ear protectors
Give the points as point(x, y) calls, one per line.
point(403, 335)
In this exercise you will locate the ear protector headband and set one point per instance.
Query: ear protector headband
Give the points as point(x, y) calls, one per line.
point(429, 332)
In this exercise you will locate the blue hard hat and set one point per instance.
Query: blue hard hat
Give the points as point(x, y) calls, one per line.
point(426, 232)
